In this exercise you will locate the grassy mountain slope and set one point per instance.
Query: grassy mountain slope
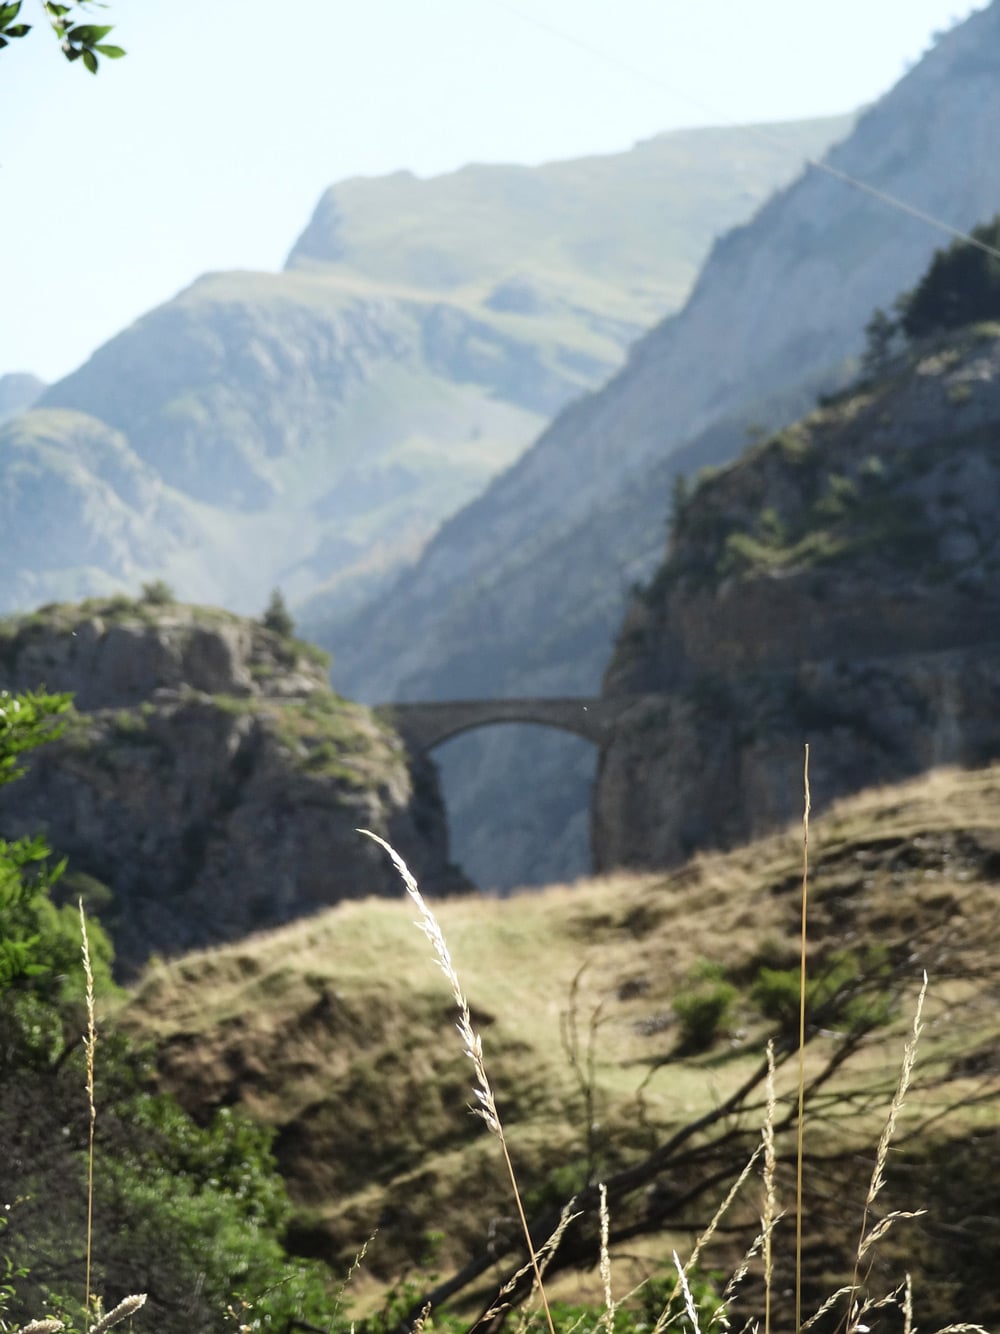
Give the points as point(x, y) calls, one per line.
point(319, 423)
point(339, 1031)
point(80, 510)
point(595, 237)
point(523, 591)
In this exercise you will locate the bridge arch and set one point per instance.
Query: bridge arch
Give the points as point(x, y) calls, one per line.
point(423, 726)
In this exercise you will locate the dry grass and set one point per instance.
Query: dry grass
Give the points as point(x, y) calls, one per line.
point(472, 1045)
point(303, 1026)
point(311, 1004)
point(90, 1048)
point(858, 1305)
point(128, 1306)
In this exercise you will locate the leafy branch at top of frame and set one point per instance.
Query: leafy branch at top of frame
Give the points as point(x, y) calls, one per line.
point(79, 41)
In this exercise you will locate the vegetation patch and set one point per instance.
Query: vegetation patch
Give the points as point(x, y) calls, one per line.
point(334, 738)
point(193, 1212)
point(846, 517)
point(703, 1006)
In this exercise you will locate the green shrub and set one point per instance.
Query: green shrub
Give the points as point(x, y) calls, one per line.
point(158, 593)
point(847, 990)
point(277, 618)
point(192, 1214)
point(313, 653)
point(961, 286)
point(118, 604)
point(703, 1007)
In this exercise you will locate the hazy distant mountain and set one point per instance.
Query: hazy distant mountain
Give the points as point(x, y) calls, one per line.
point(17, 393)
point(312, 428)
point(522, 592)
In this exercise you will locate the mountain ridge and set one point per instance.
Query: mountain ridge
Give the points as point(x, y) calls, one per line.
point(776, 316)
point(314, 425)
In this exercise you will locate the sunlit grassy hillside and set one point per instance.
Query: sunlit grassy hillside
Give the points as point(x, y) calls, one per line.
point(339, 1031)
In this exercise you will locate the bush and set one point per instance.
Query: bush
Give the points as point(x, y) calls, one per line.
point(277, 618)
point(192, 1214)
point(703, 1007)
point(848, 990)
point(881, 338)
point(157, 593)
point(962, 286)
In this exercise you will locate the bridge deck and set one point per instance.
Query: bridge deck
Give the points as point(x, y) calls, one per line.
point(426, 725)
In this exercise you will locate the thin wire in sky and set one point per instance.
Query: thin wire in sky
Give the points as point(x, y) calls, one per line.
point(636, 72)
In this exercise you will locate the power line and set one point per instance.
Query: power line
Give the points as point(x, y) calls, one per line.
point(626, 67)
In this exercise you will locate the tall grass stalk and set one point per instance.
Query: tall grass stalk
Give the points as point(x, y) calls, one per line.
point(89, 1046)
point(770, 1194)
point(608, 1314)
point(800, 1118)
point(868, 1236)
point(473, 1045)
point(128, 1305)
point(689, 1306)
point(545, 1254)
point(667, 1316)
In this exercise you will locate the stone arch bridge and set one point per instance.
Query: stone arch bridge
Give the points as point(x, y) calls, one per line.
point(426, 725)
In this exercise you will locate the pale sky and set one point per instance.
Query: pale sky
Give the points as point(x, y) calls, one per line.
point(209, 145)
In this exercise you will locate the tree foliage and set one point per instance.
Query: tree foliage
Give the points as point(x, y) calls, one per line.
point(192, 1214)
point(961, 286)
point(79, 41)
point(157, 593)
point(881, 338)
point(25, 722)
point(40, 941)
point(277, 617)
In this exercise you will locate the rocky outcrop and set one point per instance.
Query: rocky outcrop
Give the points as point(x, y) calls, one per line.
point(208, 776)
point(839, 585)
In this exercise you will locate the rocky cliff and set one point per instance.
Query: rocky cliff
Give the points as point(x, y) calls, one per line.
point(839, 585)
point(208, 776)
point(523, 591)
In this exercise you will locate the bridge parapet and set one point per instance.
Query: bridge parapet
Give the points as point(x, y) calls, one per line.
point(426, 725)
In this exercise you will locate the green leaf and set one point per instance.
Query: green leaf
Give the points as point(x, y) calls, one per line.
point(56, 11)
point(72, 53)
point(17, 30)
point(90, 60)
point(9, 12)
point(112, 52)
point(86, 34)
point(3, 43)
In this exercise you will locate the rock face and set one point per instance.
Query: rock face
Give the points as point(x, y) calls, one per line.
point(523, 591)
point(209, 776)
point(839, 585)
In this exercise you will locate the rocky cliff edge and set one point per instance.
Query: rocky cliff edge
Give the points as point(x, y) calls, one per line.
point(208, 776)
point(840, 585)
